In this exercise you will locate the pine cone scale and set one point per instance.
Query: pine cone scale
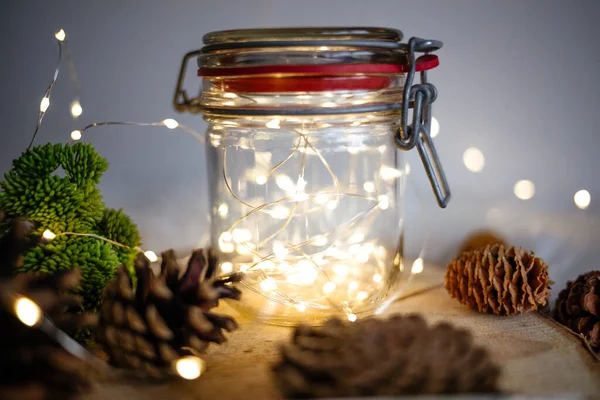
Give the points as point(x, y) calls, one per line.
point(591, 303)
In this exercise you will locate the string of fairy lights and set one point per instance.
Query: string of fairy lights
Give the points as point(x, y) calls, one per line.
point(26, 310)
point(76, 111)
point(268, 285)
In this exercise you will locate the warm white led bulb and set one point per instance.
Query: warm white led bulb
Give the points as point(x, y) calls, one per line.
point(285, 182)
point(320, 240)
point(389, 173)
point(369, 186)
point(240, 235)
point(417, 266)
point(226, 236)
point(351, 317)
point(151, 256)
point(60, 35)
point(524, 189)
point(226, 267)
point(377, 278)
point(48, 235)
point(190, 367)
point(473, 159)
point(361, 296)
point(280, 212)
point(301, 307)
point(328, 287)
point(273, 124)
point(223, 210)
point(298, 197)
point(280, 251)
point(357, 237)
point(261, 180)
point(170, 123)
point(76, 135)
point(582, 199)
point(322, 198)
point(340, 269)
point(384, 202)
point(44, 104)
point(76, 109)
point(268, 285)
point(27, 311)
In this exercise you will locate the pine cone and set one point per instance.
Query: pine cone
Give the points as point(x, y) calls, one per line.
point(166, 316)
point(578, 307)
point(32, 365)
point(398, 356)
point(480, 240)
point(499, 280)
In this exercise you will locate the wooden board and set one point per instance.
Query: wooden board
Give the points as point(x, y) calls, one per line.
point(538, 357)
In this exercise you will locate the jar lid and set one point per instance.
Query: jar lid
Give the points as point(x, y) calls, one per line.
point(317, 51)
point(369, 36)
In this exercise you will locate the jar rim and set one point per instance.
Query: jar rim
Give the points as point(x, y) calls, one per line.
point(303, 34)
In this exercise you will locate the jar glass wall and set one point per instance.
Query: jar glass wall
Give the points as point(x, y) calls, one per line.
point(309, 208)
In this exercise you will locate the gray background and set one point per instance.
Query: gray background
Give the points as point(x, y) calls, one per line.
point(518, 80)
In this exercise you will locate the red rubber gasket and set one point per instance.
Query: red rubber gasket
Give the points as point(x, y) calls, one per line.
point(312, 78)
point(424, 63)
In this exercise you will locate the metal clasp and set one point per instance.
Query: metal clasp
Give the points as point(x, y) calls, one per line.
point(420, 97)
point(181, 101)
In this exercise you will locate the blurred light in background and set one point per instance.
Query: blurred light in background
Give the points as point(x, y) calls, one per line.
point(473, 159)
point(582, 199)
point(524, 189)
point(76, 135)
point(76, 109)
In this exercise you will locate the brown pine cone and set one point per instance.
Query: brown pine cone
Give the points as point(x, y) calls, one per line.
point(499, 280)
point(480, 240)
point(398, 356)
point(32, 365)
point(165, 317)
point(578, 307)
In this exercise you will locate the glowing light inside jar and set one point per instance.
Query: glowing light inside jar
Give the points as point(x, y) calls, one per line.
point(226, 267)
point(304, 231)
point(268, 285)
point(328, 287)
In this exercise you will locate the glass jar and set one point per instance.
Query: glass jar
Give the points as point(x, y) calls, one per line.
point(306, 183)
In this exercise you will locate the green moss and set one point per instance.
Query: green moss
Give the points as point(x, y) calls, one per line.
point(33, 188)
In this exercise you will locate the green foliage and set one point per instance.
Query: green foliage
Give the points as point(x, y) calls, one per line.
point(117, 226)
point(96, 258)
point(33, 188)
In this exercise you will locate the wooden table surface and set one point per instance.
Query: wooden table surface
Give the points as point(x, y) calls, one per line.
point(537, 356)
